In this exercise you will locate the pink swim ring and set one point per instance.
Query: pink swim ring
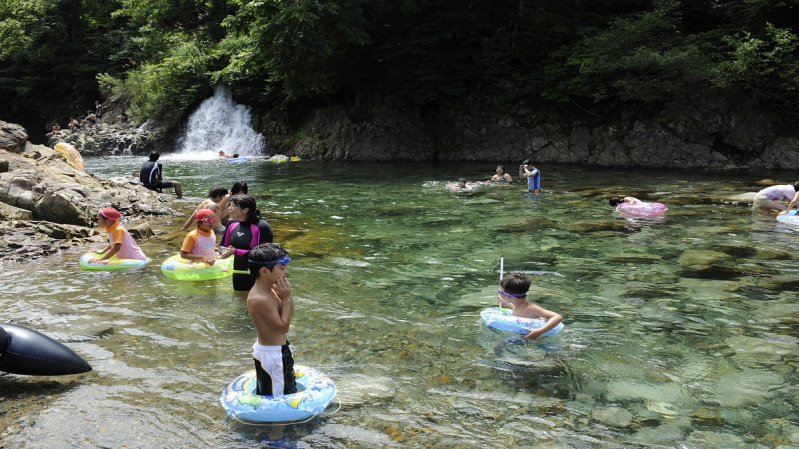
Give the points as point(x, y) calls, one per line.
point(642, 208)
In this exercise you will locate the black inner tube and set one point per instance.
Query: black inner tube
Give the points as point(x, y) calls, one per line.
point(3, 341)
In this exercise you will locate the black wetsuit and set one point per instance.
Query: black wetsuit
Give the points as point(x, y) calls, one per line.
point(241, 238)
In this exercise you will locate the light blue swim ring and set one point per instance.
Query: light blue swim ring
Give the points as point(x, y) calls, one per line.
point(790, 218)
point(315, 392)
point(503, 320)
point(111, 264)
point(238, 160)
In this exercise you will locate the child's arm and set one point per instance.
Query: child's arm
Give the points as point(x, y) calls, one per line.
point(282, 289)
point(191, 219)
point(107, 247)
point(220, 208)
point(114, 249)
point(267, 311)
point(209, 259)
point(791, 204)
point(109, 251)
point(553, 319)
point(632, 200)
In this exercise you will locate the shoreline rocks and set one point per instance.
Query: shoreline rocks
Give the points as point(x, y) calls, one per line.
point(47, 205)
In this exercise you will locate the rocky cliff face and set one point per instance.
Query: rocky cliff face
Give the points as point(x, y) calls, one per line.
point(116, 139)
point(702, 132)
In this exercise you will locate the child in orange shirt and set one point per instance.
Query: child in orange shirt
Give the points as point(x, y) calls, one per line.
point(200, 244)
point(120, 243)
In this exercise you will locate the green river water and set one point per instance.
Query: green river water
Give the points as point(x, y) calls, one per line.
point(679, 332)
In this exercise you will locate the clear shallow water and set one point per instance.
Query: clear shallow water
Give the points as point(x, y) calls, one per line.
point(679, 331)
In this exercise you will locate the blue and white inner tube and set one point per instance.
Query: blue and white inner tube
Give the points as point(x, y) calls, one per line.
point(790, 218)
point(315, 392)
point(503, 320)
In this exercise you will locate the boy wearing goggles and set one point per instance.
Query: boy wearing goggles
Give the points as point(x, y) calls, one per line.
point(271, 306)
point(513, 293)
point(200, 244)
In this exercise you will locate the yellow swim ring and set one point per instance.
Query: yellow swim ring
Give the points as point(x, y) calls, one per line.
point(182, 269)
point(73, 156)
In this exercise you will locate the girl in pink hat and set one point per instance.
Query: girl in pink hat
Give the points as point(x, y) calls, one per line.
point(120, 243)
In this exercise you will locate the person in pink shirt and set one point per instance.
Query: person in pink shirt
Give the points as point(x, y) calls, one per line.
point(120, 243)
point(767, 199)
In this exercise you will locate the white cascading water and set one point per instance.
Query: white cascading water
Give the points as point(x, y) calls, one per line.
point(220, 124)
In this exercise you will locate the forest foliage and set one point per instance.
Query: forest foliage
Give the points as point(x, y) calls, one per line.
point(280, 56)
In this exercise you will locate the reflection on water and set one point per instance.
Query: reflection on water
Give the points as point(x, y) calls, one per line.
point(680, 330)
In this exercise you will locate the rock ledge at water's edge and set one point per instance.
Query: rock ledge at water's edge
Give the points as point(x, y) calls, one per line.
point(46, 205)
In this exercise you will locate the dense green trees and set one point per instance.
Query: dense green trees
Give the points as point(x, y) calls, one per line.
point(276, 55)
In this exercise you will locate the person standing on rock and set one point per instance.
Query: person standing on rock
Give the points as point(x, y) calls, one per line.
point(150, 176)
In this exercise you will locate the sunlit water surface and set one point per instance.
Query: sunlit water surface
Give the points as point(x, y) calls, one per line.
point(679, 332)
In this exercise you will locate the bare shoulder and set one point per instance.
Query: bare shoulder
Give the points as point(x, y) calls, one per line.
point(260, 301)
point(207, 204)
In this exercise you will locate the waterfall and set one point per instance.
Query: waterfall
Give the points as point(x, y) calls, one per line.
point(220, 124)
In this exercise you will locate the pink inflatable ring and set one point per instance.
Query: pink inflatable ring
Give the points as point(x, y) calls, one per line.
point(642, 208)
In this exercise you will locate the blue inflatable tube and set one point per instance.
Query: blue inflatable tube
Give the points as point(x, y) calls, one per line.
point(315, 391)
point(503, 320)
point(25, 351)
point(790, 218)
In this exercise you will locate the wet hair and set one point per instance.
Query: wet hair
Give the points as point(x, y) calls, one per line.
point(527, 162)
point(217, 191)
point(265, 252)
point(615, 201)
point(247, 202)
point(154, 156)
point(238, 188)
point(462, 180)
point(516, 283)
point(235, 155)
point(501, 168)
point(796, 186)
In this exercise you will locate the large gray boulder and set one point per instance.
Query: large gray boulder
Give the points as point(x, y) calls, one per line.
point(52, 190)
point(12, 137)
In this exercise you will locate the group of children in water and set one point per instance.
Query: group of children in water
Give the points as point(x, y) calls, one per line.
point(270, 301)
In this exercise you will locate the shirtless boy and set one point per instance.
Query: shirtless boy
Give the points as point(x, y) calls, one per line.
point(271, 306)
point(513, 293)
point(212, 203)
